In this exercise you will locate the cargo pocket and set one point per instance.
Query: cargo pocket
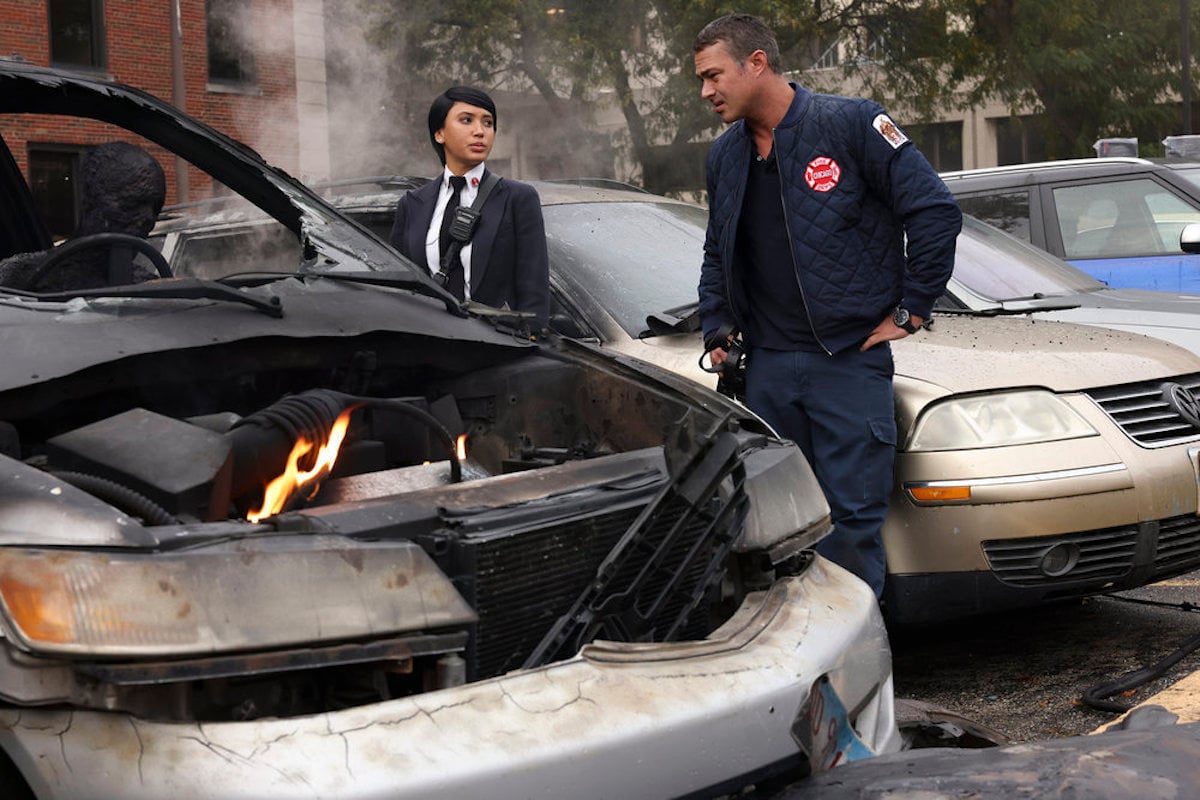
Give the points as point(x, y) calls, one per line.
point(884, 430)
point(878, 473)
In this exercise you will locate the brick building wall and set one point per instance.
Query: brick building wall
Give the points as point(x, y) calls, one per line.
point(137, 35)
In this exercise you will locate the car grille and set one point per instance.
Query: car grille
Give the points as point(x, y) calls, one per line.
point(1103, 555)
point(1143, 553)
point(1178, 544)
point(1141, 410)
point(524, 580)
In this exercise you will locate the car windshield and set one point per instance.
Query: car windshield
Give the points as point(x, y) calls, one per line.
point(1000, 267)
point(635, 259)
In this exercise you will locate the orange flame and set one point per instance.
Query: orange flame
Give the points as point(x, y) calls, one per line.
point(460, 447)
point(294, 480)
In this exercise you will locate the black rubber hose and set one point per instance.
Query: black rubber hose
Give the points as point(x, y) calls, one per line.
point(122, 497)
point(313, 413)
point(1095, 696)
point(430, 420)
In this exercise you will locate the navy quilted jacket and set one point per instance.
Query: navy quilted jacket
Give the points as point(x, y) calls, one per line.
point(853, 188)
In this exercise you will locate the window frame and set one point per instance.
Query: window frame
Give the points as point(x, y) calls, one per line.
point(77, 154)
point(238, 53)
point(99, 48)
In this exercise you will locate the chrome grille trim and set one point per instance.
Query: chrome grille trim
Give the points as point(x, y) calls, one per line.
point(1141, 411)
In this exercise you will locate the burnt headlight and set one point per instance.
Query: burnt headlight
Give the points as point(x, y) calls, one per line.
point(244, 595)
point(788, 511)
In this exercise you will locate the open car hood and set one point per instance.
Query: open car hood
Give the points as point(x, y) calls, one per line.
point(326, 235)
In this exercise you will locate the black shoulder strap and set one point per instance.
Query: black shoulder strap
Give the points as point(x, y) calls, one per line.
point(489, 182)
point(465, 221)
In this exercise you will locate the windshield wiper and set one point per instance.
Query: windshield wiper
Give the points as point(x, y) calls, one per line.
point(394, 280)
point(680, 319)
point(168, 289)
point(1011, 308)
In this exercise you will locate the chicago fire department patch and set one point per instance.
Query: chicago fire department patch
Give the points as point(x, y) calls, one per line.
point(822, 174)
point(889, 131)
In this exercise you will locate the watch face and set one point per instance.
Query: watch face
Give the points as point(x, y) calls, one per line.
point(901, 318)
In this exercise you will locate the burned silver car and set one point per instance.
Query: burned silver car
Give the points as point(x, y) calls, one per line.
point(326, 532)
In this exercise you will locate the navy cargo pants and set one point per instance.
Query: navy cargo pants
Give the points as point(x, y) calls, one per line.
point(839, 409)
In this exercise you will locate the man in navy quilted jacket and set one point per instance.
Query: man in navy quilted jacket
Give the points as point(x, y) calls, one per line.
point(829, 235)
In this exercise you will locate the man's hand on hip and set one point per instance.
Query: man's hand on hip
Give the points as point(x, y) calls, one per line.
point(887, 331)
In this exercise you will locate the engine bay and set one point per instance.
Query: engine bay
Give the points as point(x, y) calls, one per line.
point(521, 478)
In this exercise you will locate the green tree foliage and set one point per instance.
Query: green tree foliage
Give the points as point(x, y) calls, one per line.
point(1086, 68)
point(579, 55)
point(1089, 68)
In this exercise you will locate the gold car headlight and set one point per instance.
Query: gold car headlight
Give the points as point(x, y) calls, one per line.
point(252, 594)
point(997, 420)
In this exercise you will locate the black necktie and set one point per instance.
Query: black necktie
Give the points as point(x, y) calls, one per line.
point(454, 271)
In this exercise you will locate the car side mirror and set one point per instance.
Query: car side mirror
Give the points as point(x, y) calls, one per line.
point(1189, 238)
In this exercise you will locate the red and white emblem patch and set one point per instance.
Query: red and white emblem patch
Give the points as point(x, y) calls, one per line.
point(822, 174)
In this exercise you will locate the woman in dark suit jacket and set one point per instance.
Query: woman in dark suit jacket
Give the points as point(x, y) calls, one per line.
point(505, 262)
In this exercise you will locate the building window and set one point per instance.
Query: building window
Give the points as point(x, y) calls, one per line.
point(1018, 141)
point(54, 182)
point(230, 56)
point(940, 142)
point(77, 33)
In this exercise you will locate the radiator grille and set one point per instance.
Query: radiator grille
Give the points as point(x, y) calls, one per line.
point(1141, 410)
point(525, 580)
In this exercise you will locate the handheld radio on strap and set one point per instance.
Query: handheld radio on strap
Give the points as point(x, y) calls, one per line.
point(462, 227)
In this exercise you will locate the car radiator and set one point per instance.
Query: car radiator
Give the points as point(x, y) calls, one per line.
point(522, 580)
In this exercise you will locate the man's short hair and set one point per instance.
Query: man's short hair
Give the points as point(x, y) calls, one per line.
point(742, 35)
point(446, 100)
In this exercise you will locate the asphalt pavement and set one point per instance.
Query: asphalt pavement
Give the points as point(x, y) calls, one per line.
point(1025, 673)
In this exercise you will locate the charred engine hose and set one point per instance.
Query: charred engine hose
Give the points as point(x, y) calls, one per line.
point(311, 415)
point(1096, 696)
point(122, 497)
point(429, 419)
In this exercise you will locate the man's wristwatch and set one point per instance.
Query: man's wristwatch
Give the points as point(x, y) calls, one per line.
point(902, 319)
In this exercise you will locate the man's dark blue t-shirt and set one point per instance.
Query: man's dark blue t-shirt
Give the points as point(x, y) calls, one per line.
point(777, 318)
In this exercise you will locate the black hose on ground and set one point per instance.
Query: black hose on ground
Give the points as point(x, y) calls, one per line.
point(1096, 696)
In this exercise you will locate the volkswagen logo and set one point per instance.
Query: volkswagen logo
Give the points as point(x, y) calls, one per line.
point(1183, 402)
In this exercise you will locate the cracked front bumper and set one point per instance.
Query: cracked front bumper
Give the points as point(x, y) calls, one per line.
point(616, 721)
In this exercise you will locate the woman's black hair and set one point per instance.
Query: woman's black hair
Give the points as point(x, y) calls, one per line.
point(446, 100)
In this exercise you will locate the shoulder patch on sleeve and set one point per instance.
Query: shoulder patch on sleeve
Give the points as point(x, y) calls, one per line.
point(889, 131)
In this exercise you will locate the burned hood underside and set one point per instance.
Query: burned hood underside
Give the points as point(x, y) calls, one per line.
point(63, 338)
